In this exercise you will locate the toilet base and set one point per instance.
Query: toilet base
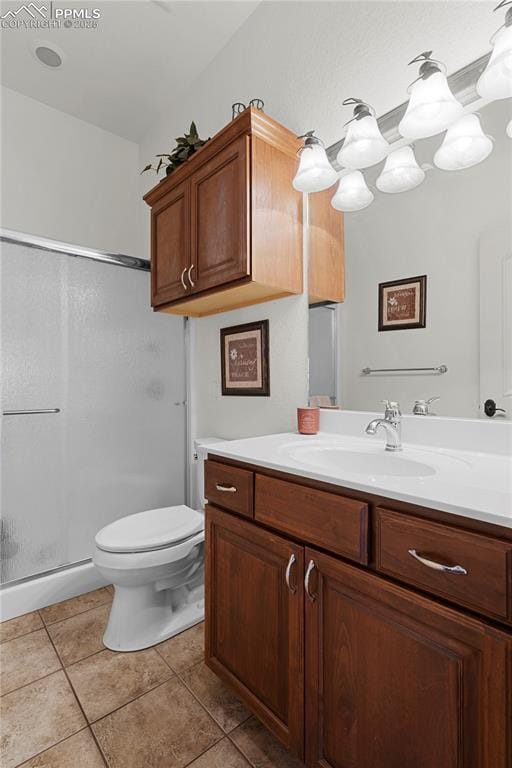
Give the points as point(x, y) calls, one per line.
point(142, 616)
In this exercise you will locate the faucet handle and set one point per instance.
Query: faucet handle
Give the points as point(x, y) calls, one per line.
point(420, 407)
point(392, 408)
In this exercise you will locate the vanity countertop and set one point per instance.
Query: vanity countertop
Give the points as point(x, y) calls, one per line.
point(471, 484)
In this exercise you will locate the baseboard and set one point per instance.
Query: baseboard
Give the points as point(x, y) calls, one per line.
point(38, 592)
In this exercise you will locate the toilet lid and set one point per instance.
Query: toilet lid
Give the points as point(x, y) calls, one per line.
point(152, 529)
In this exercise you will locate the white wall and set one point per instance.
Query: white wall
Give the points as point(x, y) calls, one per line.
point(433, 230)
point(303, 59)
point(66, 179)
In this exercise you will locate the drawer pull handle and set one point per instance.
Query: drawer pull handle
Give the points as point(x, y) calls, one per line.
point(437, 566)
point(311, 567)
point(225, 488)
point(291, 563)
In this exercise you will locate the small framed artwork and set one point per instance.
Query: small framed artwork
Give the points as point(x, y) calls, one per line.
point(244, 359)
point(403, 304)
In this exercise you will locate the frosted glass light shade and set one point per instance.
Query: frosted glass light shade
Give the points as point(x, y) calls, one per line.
point(364, 144)
point(315, 172)
point(464, 145)
point(352, 193)
point(431, 109)
point(509, 130)
point(401, 172)
point(495, 82)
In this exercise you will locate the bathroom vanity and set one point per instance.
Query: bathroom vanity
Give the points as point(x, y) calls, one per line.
point(364, 630)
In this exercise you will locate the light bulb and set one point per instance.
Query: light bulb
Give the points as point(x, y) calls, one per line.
point(464, 145)
point(352, 193)
point(401, 172)
point(315, 172)
point(495, 82)
point(432, 106)
point(509, 130)
point(364, 144)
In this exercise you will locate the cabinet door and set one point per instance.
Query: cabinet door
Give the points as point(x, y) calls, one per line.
point(254, 621)
point(170, 246)
point(220, 211)
point(395, 679)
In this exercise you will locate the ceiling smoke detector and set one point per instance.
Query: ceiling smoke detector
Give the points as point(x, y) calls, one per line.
point(48, 54)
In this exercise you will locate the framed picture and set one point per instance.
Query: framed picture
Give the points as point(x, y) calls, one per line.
point(403, 303)
point(244, 359)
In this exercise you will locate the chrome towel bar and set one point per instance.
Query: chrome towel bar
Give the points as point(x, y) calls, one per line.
point(438, 369)
point(31, 411)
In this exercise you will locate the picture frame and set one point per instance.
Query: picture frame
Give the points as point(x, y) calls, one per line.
point(244, 359)
point(403, 304)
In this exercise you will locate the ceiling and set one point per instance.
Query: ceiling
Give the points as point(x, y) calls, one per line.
point(124, 73)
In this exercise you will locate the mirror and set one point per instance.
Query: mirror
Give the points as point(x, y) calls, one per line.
point(455, 229)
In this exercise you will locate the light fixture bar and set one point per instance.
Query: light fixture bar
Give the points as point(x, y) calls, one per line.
point(462, 83)
point(47, 244)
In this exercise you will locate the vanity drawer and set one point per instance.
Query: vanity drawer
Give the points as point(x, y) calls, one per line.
point(324, 519)
point(485, 586)
point(229, 487)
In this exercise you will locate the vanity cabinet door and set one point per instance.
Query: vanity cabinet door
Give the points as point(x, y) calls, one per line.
point(254, 621)
point(394, 679)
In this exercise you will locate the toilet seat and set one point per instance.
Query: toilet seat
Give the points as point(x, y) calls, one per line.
point(151, 530)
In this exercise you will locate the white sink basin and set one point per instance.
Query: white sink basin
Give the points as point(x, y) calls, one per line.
point(362, 462)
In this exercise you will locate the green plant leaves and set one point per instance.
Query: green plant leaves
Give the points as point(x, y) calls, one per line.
point(185, 147)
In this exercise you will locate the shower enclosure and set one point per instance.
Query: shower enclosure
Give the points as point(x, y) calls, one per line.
point(93, 391)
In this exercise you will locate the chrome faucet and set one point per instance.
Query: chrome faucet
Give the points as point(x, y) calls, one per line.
point(392, 423)
point(421, 407)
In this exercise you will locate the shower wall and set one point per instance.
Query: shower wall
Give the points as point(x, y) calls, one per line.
point(79, 335)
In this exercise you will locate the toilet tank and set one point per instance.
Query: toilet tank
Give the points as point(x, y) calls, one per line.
point(201, 445)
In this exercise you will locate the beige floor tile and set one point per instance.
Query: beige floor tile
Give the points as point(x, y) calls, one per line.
point(222, 705)
point(21, 625)
point(36, 717)
point(222, 755)
point(75, 605)
point(108, 680)
point(261, 748)
point(79, 751)
point(81, 635)
point(25, 659)
point(184, 650)
point(165, 728)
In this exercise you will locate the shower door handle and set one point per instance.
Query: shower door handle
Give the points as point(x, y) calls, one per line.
point(30, 411)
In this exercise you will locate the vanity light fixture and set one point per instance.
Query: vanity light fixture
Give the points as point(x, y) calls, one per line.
point(495, 82)
point(432, 106)
point(464, 145)
point(364, 144)
point(401, 172)
point(315, 172)
point(509, 130)
point(352, 193)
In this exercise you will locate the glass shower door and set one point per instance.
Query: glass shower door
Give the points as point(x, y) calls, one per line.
point(79, 335)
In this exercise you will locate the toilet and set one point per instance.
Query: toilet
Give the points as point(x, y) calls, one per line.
point(155, 560)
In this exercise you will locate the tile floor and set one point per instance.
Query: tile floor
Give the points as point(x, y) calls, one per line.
point(67, 702)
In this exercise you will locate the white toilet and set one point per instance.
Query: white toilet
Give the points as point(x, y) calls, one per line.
point(155, 560)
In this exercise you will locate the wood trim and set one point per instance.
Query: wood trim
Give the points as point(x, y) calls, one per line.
point(243, 293)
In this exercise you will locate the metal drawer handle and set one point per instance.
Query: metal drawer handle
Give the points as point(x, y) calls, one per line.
point(226, 488)
point(189, 275)
point(291, 563)
point(437, 566)
point(311, 567)
point(182, 278)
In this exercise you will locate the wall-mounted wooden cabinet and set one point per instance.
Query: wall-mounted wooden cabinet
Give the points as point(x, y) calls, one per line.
point(226, 227)
point(326, 249)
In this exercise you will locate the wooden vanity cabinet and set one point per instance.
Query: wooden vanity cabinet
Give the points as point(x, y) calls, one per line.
point(347, 667)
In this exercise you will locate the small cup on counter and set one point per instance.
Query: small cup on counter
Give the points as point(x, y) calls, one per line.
point(308, 420)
